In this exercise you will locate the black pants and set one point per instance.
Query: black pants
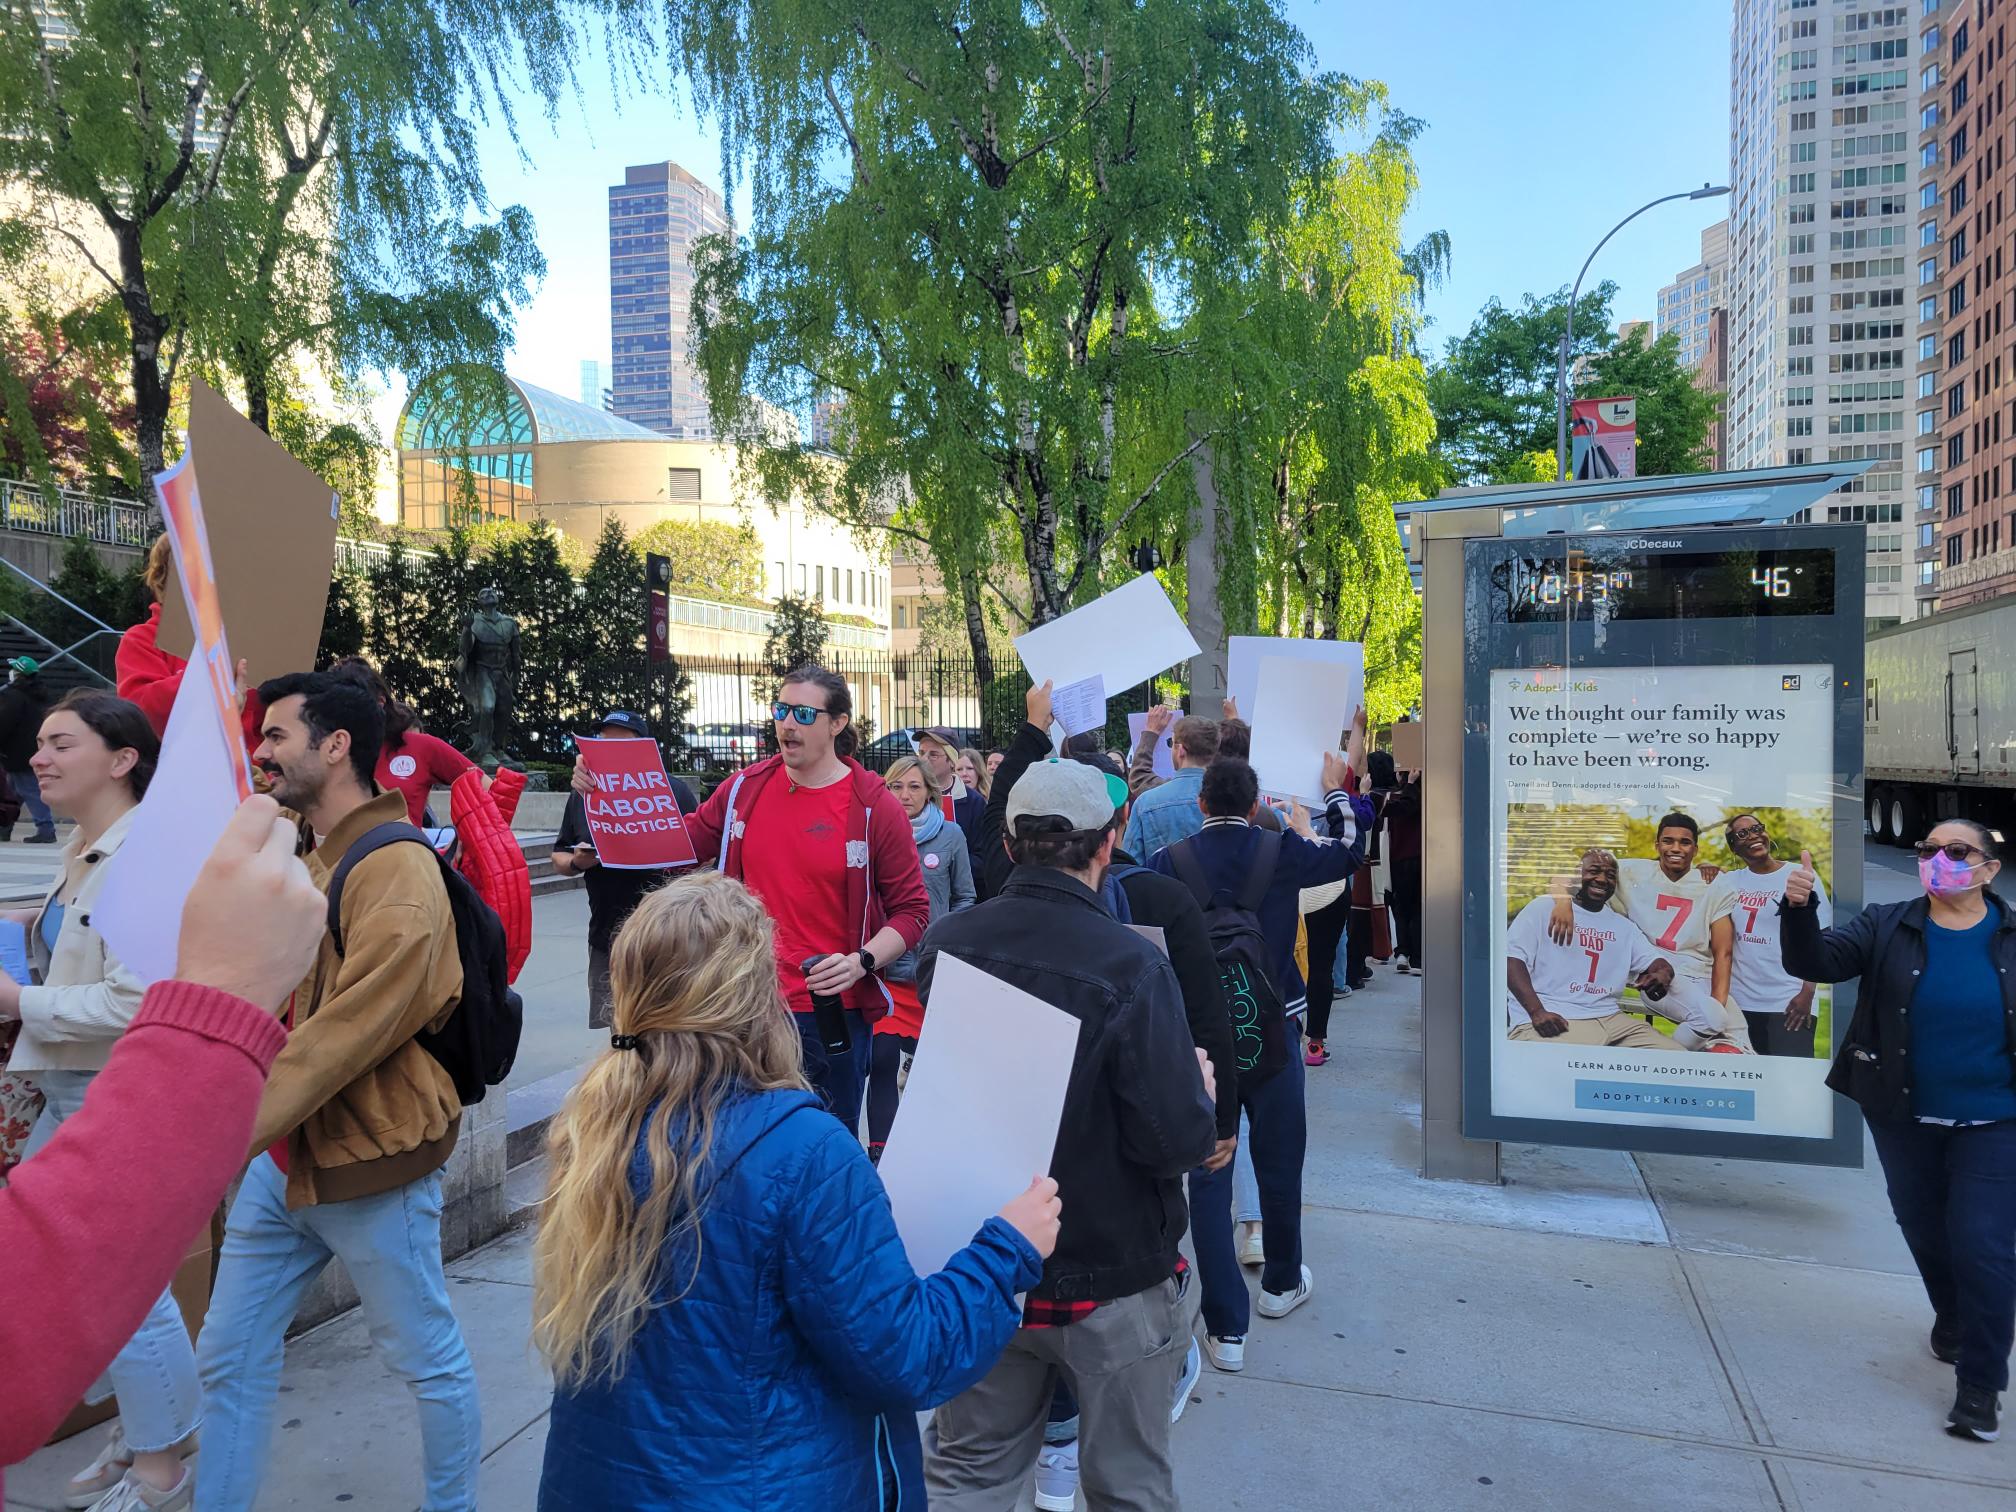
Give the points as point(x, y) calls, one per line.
point(1769, 1036)
point(1326, 929)
point(1953, 1192)
point(885, 1059)
point(1406, 894)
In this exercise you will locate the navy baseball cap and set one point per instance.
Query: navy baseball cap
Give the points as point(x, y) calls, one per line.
point(625, 719)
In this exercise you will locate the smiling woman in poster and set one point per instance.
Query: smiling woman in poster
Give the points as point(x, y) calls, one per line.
point(1931, 1058)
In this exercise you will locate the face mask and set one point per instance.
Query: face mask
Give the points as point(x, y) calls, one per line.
point(1943, 876)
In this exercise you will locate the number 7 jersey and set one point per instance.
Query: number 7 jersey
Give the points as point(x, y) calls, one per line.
point(1758, 982)
point(1673, 915)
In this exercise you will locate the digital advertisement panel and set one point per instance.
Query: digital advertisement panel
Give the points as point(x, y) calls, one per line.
point(1644, 822)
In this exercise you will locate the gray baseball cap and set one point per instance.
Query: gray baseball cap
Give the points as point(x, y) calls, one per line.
point(1081, 795)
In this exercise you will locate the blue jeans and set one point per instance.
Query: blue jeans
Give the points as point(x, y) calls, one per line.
point(1278, 1131)
point(839, 1080)
point(154, 1373)
point(1245, 1185)
point(1953, 1192)
point(28, 788)
point(391, 1246)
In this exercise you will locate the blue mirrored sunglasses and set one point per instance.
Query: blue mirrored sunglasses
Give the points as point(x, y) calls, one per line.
point(805, 714)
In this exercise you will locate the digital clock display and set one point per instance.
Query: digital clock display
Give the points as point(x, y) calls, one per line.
point(1545, 587)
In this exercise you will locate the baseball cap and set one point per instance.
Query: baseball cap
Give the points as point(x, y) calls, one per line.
point(1081, 795)
point(27, 666)
point(942, 735)
point(624, 719)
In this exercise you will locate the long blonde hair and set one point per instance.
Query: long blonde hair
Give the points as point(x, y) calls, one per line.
point(983, 784)
point(694, 978)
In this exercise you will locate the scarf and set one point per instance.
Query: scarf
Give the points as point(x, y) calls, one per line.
point(924, 828)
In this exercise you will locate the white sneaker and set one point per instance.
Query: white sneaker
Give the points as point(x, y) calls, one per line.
point(1193, 1367)
point(1253, 1248)
point(131, 1495)
point(1228, 1352)
point(1280, 1304)
point(89, 1486)
point(1057, 1478)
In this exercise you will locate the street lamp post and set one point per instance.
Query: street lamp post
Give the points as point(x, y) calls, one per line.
point(1706, 191)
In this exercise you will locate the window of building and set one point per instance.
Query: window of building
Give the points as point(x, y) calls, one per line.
point(819, 582)
point(1956, 450)
point(1956, 500)
point(902, 619)
point(1928, 271)
point(1928, 310)
point(1928, 459)
point(1953, 544)
point(801, 580)
point(682, 484)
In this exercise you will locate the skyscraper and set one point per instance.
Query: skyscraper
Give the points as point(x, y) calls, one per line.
point(1822, 313)
point(655, 216)
point(1685, 303)
point(591, 383)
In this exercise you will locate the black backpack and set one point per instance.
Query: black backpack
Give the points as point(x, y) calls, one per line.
point(480, 1040)
point(1259, 1018)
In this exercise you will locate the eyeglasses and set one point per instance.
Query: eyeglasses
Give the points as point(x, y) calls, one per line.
point(805, 714)
point(1952, 850)
point(1749, 832)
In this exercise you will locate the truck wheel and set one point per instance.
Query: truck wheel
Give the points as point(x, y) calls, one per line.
point(1906, 821)
point(1878, 812)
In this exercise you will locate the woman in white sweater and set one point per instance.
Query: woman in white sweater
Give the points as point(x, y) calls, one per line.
point(94, 757)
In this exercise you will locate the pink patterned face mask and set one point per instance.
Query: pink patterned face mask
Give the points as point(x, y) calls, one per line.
point(1943, 876)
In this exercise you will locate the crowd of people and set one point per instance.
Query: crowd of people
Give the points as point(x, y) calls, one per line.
point(720, 1291)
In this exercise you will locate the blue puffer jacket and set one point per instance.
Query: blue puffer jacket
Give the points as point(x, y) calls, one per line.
point(790, 1373)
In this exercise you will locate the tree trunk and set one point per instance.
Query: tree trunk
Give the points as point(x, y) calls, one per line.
point(256, 374)
point(146, 330)
point(976, 626)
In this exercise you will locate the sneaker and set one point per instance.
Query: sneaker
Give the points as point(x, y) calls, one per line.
point(1317, 1054)
point(1280, 1304)
point(1057, 1477)
point(1945, 1341)
point(38, 838)
point(1253, 1248)
point(1344, 991)
point(1976, 1414)
point(1402, 965)
point(1228, 1352)
point(89, 1485)
point(130, 1495)
point(1193, 1367)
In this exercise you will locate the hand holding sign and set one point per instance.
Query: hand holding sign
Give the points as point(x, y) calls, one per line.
point(1080, 706)
point(1035, 1215)
point(1799, 886)
point(631, 812)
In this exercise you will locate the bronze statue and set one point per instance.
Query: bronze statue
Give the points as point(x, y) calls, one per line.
point(488, 669)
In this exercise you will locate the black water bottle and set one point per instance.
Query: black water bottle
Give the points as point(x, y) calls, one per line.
point(828, 1014)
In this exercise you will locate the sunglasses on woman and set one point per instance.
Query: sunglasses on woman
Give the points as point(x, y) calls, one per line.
point(805, 714)
point(1952, 850)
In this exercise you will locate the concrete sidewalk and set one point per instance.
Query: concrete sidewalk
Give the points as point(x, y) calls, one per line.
point(1599, 1332)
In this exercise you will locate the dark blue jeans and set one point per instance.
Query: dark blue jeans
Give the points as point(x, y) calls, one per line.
point(1954, 1194)
point(1278, 1133)
point(838, 1080)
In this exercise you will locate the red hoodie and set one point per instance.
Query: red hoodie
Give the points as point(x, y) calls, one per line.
point(118, 1194)
point(885, 882)
point(149, 677)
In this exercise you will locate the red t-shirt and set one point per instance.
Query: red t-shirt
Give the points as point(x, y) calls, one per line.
point(794, 857)
point(416, 765)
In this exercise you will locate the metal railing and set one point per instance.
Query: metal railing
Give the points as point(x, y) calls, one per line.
point(65, 513)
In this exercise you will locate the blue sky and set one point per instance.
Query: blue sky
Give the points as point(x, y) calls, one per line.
point(1547, 121)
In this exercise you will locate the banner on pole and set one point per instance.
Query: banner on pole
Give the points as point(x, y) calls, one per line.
point(658, 607)
point(632, 815)
point(1603, 438)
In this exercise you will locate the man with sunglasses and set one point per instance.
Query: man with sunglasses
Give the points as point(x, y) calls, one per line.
point(1777, 1005)
point(827, 847)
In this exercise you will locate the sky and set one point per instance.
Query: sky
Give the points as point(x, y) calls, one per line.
point(1539, 138)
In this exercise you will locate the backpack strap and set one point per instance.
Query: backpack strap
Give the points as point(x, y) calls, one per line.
point(376, 838)
point(1260, 875)
point(1190, 871)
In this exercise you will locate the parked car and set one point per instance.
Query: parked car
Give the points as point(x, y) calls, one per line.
point(880, 752)
point(723, 747)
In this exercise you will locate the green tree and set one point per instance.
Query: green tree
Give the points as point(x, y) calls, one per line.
point(256, 182)
point(1674, 412)
point(402, 636)
point(345, 628)
point(709, 559)
point(797, 637)
point(616, 670)
point(542, 594)
point(967, 222)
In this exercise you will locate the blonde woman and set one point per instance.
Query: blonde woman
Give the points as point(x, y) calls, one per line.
point(974, 772)
point(718, 1285)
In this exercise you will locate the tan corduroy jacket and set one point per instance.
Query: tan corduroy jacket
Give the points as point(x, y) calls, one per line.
point(363, 1108)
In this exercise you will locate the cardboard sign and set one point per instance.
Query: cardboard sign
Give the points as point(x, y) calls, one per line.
point(272, 542)
point(1407, 747)
point(1126, 637)
point(1165, 751)
point(979, 1114)
point(632, 816)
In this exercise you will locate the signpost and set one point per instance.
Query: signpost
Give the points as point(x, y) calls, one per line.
point(658, 607)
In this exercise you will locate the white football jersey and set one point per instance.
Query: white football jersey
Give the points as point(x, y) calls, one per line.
point(1584, 978)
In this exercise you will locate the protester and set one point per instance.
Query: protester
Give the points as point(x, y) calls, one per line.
point(412, 761)
point(939, 750)
point(1235, 739)
point(149, 676)
point(826, 846)
point(612, 891)
point(1403, 860)
point(948, 879)
point(1167, 813)
point(85, 1248)
point(1110, 1315)
point(994, 759)
point(1360, 936)
point(1778, 1007)
point(719, 1287)
point(1931, 1058)
point(359, 1118)
point(1230, 862)
point(975, 773)
point(1141, 774)
point(94, 757)
point(23, 702)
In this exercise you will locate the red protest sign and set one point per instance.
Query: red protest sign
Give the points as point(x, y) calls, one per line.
point(632, 815)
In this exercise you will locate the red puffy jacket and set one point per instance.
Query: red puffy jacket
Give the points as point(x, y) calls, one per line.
point(492, 859)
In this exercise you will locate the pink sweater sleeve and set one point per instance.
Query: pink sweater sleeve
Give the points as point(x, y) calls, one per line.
point(94, 1226)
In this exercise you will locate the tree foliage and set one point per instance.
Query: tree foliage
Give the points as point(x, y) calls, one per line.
point(64, 417)
point(1674, 412)
point(615, 665)
point(709, 559)
point(977, 228)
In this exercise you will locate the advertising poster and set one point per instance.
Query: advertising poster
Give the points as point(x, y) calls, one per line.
point(1603, 438)
point(632, 815)
point(658, 607)
point(1645, 821)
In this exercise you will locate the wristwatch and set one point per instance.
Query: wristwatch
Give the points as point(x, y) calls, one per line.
point(867, 959)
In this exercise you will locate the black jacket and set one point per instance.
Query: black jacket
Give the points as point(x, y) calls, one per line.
point(1884, 945)
point(22, 705)
point(1135, 1116)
